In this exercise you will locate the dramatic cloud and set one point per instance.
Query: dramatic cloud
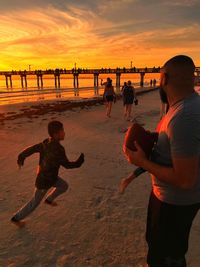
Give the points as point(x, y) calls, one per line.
point(49, 34)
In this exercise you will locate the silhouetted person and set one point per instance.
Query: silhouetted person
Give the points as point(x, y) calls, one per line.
point(109, 96)
point(128, 98)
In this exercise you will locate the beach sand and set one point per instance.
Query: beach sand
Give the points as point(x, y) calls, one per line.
point(93, 225)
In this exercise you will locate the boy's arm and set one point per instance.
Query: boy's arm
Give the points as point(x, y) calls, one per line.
point(28, 152)
point(71, 164)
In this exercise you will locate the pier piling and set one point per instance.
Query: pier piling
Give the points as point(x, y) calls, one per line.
point(39, 80)
point(76, 82)
point(96, 83)
point(118, 74)
point(8, 77)
point(142, 74)
point(23, 80)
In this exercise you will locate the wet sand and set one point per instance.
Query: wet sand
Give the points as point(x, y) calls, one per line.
point(93, 225)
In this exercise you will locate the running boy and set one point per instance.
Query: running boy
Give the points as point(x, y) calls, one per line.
point(52, 156)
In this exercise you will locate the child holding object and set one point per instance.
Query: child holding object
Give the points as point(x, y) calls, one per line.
point(52, 156)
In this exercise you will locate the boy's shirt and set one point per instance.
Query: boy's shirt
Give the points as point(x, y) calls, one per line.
point(52, 156)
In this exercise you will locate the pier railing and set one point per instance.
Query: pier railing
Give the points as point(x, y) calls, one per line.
point(76, 72)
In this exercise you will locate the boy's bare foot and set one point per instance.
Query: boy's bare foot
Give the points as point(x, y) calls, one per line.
point(51, 203)
point(18, 223)
point(123, 185)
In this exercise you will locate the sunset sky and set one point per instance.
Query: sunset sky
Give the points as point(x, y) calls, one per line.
point(107, 33)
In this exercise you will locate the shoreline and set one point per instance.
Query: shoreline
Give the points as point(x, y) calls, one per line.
point(34, 109)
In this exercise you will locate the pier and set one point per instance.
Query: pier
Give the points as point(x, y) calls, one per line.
point(75, 74)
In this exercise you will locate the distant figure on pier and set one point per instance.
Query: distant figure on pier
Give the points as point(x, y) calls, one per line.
point(109, 96)
point(154, 82)
point(128, 98)
point(151, 83)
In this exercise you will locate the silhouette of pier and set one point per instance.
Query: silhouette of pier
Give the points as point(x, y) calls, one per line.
point(75, 74)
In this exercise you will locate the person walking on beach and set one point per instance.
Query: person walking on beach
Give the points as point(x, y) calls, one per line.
point(174, 167)
point(123, 87)
point(128, 98)
point(52, 156)
point(108, 80)
point(109, 96)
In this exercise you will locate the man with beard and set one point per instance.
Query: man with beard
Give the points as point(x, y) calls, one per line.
point(174, 167)
point(164, 103)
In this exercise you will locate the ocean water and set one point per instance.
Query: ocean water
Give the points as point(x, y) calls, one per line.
point(66, 80)
point(86, 87)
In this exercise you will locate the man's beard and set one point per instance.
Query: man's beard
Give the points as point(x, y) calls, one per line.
point(163, 96)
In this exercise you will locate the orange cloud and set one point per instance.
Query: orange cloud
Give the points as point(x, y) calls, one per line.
point(53, 38)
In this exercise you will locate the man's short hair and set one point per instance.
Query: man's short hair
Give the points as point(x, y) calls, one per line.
point(54, 127)
point(180, 61)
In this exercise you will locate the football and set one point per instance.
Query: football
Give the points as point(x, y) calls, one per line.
point(144, 138)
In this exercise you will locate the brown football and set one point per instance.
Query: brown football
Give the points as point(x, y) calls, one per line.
point(144, 138)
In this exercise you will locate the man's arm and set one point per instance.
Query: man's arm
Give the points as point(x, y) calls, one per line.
point(183, 135)
point(184, 173)
point(103, 83)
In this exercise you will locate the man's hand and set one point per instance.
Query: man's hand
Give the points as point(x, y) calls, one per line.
point(135, 157)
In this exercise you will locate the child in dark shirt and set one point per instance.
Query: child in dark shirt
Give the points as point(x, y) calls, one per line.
point(52, 156)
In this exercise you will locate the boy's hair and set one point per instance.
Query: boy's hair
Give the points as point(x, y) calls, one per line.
point(54, 127)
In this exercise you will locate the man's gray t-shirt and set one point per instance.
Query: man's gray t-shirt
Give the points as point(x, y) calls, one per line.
point(179, 135)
